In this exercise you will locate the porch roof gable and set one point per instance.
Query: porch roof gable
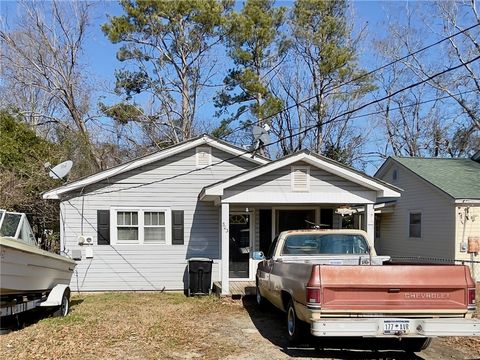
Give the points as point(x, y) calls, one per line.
point(382, 188)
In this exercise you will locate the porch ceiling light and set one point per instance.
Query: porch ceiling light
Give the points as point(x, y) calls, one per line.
point(345, 210)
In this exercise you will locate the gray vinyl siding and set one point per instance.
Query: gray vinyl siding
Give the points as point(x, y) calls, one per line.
point(437, 224)
point(149, 267)
point(279, 180)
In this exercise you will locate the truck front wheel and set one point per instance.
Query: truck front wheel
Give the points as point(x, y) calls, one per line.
point(296, 328)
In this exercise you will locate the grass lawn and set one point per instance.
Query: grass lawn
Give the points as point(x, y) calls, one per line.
point(172, 326)
point(127, 325)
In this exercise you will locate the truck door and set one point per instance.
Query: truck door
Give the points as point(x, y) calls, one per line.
point(266, 269)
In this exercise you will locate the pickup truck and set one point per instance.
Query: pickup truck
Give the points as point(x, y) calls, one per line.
point(332, 282)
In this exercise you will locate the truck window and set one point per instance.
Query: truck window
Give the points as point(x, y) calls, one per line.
point(323, 244)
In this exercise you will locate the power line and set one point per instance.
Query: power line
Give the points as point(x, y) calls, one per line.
point(377, 100)
point(338, 86)
point(409, 105)
point(296, 104)
point(298, 133)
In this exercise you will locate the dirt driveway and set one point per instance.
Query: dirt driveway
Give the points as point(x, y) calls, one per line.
point(171, 326)
point(266, 329)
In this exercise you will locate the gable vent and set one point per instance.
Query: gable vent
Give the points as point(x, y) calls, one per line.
point(203, 156)
point(300, 178)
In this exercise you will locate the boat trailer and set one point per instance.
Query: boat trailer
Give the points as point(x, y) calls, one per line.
point(58, 297)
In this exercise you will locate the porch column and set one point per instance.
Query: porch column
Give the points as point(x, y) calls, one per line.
point(225, 249)
point(369, 222)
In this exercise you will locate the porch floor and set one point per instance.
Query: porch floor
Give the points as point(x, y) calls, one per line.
point(237, 288)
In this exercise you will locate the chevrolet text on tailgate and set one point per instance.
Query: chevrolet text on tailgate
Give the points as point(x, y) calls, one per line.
point(333, 282)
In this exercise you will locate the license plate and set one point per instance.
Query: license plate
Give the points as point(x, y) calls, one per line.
point(396, 327)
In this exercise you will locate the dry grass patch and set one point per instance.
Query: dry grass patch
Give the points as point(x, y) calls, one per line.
point(131, 325)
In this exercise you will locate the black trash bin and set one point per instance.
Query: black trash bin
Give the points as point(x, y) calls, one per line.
point(199, 276)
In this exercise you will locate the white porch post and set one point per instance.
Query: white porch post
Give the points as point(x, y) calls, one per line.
point(225, 249)
point(369, 224)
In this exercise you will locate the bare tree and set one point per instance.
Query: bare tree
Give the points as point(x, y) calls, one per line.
point(43, 74)
point(440, 118)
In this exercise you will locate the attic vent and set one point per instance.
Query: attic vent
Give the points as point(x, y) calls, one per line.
point(204, 156)
point(395, 175)
point(300, 178)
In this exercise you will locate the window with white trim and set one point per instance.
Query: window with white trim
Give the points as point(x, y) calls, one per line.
point(415, 224)
point(141, 226)
point(127, 226)
point(154, 227)
point(203, 156)
point(300, 178)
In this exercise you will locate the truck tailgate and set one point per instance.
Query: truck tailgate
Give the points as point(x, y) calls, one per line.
point(394, 288)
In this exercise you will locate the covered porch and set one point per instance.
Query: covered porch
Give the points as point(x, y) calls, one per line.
point(301, 191)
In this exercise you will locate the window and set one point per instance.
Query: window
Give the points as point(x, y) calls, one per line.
point(300, 178)
point(415, 224)
point(315, 244)
point(395, 175)
point(141, 226)
point(154, 225)
point(127, 226)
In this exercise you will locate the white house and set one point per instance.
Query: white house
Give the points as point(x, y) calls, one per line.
point(202, 197)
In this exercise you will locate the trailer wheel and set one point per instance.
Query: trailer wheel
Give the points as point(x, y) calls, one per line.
point(296, 329)
point(416, 345)
point(64, 307)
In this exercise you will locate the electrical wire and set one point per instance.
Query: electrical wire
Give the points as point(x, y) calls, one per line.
point(411, 86)
point(409, 105)
point(122, 167)
point(309, 128)
point(367, 74)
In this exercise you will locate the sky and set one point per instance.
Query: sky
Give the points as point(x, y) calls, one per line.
point(100, 54)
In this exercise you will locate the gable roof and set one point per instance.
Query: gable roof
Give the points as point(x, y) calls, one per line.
point(459, 178)
point(383, 188)
point(148, 159)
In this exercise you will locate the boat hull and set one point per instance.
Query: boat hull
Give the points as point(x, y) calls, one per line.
point(25, 269)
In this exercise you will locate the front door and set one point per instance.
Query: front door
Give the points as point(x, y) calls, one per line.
point(240, 246)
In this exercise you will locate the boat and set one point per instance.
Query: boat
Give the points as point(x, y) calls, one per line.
point(25, 269)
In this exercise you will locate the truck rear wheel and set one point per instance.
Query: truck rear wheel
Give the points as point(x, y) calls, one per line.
point(416, 345)
point(296, 329)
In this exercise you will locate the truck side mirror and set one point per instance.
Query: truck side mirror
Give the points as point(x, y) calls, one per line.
point(258, 255)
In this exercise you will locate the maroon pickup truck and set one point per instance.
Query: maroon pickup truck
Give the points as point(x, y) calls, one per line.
point(332, 282)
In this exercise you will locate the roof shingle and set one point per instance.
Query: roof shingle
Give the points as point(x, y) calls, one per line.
point(459, 178)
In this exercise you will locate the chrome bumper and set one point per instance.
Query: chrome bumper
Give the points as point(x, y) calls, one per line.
point(374, 327)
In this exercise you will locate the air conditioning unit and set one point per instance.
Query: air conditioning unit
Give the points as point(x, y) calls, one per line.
point(85, 240)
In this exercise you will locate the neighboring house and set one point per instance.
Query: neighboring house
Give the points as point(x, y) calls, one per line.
point(438, 212)
point(200, 198)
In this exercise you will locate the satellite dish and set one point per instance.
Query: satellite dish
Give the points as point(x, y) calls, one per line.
point(257, 132)
point(265, 139)
point(260, 135)
point(61, 170)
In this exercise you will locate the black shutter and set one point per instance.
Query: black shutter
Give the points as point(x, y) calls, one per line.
point(177, 227)
point(103, 227)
